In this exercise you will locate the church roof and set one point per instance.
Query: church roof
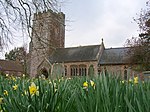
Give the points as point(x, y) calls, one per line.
point(75, 54)
point(114, 56)
point(9, 65)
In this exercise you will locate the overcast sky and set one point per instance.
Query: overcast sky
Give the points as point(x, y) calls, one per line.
point(88, 21)
point(92, 20)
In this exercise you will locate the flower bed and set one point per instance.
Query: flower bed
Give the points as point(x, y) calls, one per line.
point(79, 94)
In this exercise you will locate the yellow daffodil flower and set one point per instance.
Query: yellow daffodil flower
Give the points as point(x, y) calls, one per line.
point(6, 92)
point(85, 84)
point(1, 100)
point(15, 87)
point(135, 80)
point(14, 79)
point(33, 89)
point(92, 83)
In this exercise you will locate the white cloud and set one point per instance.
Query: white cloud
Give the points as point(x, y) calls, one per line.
point(96, 19)
point(108, 19)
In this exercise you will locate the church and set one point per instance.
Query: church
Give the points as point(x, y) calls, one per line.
point(49, 56)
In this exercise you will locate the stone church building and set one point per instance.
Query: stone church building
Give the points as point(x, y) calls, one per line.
point(49, 56)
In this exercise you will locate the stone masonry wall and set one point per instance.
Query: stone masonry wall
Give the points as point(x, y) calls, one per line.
point(94, 63)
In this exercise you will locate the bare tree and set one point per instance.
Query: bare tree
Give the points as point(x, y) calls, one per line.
point(139, 51)
point(16, 14)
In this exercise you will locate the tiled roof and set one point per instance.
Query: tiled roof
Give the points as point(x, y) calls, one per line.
point(8, 65)
point(75, 54)
point(114, 56)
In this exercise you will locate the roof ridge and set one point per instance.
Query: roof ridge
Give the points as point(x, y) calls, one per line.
point(116, 48)
point(79, 46)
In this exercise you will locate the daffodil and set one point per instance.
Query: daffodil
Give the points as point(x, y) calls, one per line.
point(25, 92)
point(13, 78)
point(85, 85)
point(6, 92)
point(1, 100)
point(92, 83)
point(130, 80)
point(135, 80)
point(69, 78)
point(15, 87)
point(23, 75)
point(123, 81)
point(7, 75)
point(33, 89)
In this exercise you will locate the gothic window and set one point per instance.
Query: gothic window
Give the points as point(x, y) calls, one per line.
point(74, 70)
point(65, 70)
point(44, 72)
point(82, 70)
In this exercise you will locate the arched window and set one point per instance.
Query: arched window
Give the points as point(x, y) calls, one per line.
point(44, 72)
point(65, 70)
point(74, 70)
point(82, 70)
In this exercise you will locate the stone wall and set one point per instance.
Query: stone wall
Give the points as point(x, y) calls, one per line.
point(119, 70)
point(88, 64)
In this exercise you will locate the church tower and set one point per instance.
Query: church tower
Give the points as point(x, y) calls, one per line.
point(48, 33)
